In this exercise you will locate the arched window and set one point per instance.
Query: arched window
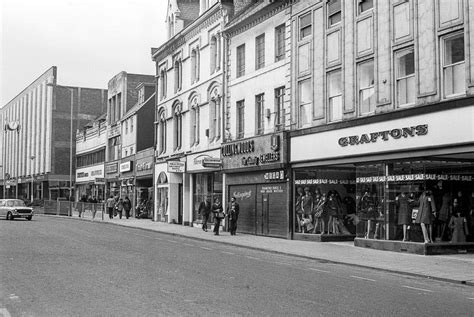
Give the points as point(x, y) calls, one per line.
point(163, 83)
point(195, 119)
point(215, 115)
point(161, 132)
point(194, 65)
point(178, 75)
point(214, 54)
point(177, 127)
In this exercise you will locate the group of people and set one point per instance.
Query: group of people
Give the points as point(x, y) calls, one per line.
point(321, 212)
point(233, 209)
point(116, 206)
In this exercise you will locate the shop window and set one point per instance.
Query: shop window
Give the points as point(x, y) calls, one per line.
point(279, 42)
point(305, 26)
point(364, 5)
point(405, 72)
point(259, 113)
point(260, 51)
point(279, 109)
point(334, 12)
point(304, 102)
point(240, 118)
point(325, 200)
point(240, 60)
point(206, 186)
point(335, 95)
point(365, 84)
point(454, 77)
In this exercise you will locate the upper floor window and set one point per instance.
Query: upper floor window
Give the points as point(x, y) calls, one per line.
point(126, 126)
point(405, 77)
point(279, 42)
point(162, 80)
point(364, 5)
point(141, 95)
point(259, 113)
point(215, 110)
point(260, 51)
point(195, 119)
point(334, 12)
point(335, 95)
point(161, 132)
point(279, 110)
point(178, 75)
point(304, 102)
point(365, 86)
point(305, 25)
point(454, 76)
point(240, 60)
point(131, 124)
point(177, 127)
point(194, 65)
point(215, 51)
point(240, 118)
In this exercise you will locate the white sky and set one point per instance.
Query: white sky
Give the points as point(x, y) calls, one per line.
point(89, 41)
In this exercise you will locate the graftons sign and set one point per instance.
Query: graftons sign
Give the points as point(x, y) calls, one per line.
point(386, 135)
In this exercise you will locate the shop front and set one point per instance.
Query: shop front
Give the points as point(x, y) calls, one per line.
point(144, 193)
point(127, 180)
point(205, 179)
point(256, 175)
point(112, 181)
point(169, 190)
point(401, 184)
point(90, 182)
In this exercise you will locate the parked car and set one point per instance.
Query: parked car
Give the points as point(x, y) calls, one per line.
point(15, 208)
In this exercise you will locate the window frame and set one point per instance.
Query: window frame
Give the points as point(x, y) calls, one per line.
point(397, 55)
point(259, 114)
point(360, 7)
point(240, 61)
point(260, 51)
point(280, 42)
point(240, 119)
point(444, 66)
point(279, 103)
point(334, 13)
point(301, 28)
point(301, 105)
point(361, 89)
point(334, 96)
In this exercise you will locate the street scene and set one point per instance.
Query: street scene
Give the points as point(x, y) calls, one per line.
point(237, 157)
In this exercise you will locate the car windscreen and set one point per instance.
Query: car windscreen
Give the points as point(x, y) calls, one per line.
point(15, 203)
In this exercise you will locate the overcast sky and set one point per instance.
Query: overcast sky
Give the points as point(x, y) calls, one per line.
point(89, 41)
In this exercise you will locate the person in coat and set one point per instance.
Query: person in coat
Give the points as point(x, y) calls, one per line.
point(217, 210)
point(127, 206)
point(110, 206)
point(119, 207)
point(204, 210)
point(426, 209)
point(233, 213)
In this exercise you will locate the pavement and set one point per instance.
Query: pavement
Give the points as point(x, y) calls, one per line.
point(456, 268)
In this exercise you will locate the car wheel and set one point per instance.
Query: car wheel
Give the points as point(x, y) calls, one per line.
point(9, 216)
point(29, 217)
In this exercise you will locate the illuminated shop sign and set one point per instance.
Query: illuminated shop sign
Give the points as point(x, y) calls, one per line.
point(126, 167)
point(414, 177)
point(243, 147)
point(373, 137)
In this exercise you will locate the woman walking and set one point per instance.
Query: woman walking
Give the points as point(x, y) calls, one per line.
point(218, 215)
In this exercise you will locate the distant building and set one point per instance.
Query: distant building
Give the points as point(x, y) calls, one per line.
point(36, 141)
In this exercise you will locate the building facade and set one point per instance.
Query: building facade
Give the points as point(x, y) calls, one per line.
point(189, 110)
point(258, 116)
point(122, 96)
point(38, 139)
point(383, 115)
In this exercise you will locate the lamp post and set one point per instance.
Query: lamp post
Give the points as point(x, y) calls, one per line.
point(32, 179)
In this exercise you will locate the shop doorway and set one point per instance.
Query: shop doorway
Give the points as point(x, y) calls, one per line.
point(180, 203)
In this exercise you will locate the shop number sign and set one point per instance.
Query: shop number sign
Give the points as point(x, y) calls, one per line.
point(275, 175)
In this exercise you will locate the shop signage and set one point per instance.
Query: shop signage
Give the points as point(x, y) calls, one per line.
point(111, 168)
point(211, 162)
point(90, 173)
point(176, 167)
point(318, 181)
point(414, 177)
point(373, 137)
point(275, 175)
point(242, 195)
point(260, 151)
point(271, 189)
point(144, 166)
point(126, 167)
point(99, 181)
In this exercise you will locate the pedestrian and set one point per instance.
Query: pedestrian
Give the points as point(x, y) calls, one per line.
point(233, 214)
point(110, 206)
point(218, 212)
point(119, 207)
point(127, 206)
point(204, 211)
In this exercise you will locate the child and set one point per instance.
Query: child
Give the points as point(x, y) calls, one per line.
point(458, 223)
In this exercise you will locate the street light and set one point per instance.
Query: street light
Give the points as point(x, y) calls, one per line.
point(32, 179)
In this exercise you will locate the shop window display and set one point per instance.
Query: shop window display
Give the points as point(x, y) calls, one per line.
point(325, 201)
point(207, 186)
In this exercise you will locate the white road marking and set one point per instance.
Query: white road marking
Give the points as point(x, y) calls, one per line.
point(418, 289)
point(204, 248)
point(172, 241)
point(252, 258)
point(4, 312)
point(318, 270)
point(14, 297)
point(471, 298)
point(363, 278)
point(228, 252)
point(189, 244)
point(283, 263)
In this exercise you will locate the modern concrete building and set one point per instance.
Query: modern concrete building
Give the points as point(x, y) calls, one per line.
point(38, 136)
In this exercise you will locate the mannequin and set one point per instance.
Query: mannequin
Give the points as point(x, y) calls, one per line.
point(299, 207)
point(458, 224)
point(319, 213)
point(307, 205)
point(444, 214)
point(403, 202)
point(424, 217)
point(367, 207)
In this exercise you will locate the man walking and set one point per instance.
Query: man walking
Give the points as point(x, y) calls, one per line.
point(110, 206)
point(127, 206)
point(205, 210)
point(233, 212)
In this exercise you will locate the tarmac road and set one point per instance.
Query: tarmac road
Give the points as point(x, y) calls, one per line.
point(62, 267)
